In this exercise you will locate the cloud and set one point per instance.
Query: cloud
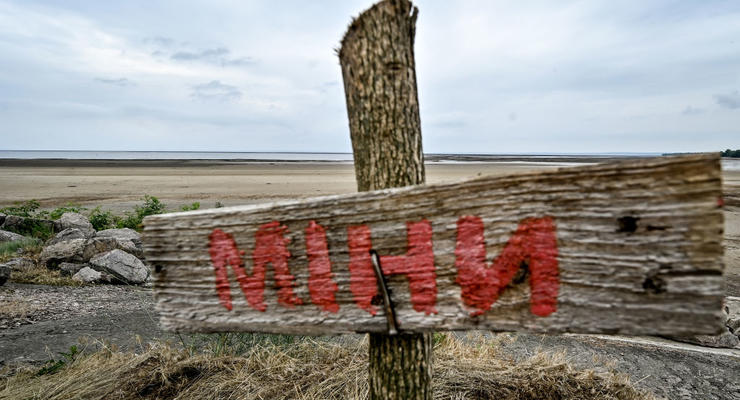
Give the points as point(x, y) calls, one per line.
point(218, 55)
point(122, 82)
point(161, 41)
point(216, 91)
point(689, 110)
point(730, 100)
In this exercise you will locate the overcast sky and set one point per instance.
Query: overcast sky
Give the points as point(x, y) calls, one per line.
point(494, 76)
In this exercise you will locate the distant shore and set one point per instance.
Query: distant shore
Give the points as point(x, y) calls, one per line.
point(198, 162)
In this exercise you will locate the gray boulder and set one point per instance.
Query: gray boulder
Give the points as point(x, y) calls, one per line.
point(82, 250)
point(89, 275)
point(20, 264)
point(72, 220)
point(121, 266)
point(6, 236)
point(98, 245)
point(2, 218)
point(71, 269)
point(68, 251)
point(66, 235)
point(121, 234)
point(4, 273)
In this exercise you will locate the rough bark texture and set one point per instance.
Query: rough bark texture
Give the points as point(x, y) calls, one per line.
point(379, 71)
point(639, 252)
point(401, 366)
point(377, 58)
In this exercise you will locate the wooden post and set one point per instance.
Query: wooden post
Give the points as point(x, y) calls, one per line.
point(377, 59)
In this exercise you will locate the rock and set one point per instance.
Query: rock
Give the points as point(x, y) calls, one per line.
point(71, 220)
point(20, 264)
point(121, 234)
point(727, 338)
point(71, 269)
point(98, 245)
point(26, 226)
point(6, 236)
point(732, 307)
point(724, 340)
point(4, 273)
point(122, 266)
point(66, 235)
point(69, 251)
point(88, 275)
point(2, 218)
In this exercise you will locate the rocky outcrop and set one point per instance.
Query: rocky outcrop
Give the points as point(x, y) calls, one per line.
point(78, 221)
point(121, 266)
point(67, 235)
point(7, 236)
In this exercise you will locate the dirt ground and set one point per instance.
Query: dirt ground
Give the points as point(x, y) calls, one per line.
point(48, 320)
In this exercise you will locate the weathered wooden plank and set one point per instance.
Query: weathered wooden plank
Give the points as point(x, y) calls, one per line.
point(636, 248)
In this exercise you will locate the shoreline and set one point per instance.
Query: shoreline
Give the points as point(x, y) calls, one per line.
point(203, 162)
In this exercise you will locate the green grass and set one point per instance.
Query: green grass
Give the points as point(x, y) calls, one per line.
point(9, 250)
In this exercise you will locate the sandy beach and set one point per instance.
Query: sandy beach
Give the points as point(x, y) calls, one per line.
point(118, 185)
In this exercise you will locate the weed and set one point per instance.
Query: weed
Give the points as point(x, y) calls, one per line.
point(151, 206)
point(11, 249)
point(53, 366)
point(219, 205)
point(191, 207)
point(102, 220)
point(22, 209)
point(59, 211)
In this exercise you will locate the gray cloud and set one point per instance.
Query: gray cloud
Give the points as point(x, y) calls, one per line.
point(161, 41)
point(689, 110)
point(122, 82)
point(218, 55)
point(730, 100)
point(216, 91)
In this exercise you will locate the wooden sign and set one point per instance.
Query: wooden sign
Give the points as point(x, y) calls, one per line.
point(630, 247)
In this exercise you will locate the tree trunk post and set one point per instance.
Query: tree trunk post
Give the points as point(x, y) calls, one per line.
point(377, 59)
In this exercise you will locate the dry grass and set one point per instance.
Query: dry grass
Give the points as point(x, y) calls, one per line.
point(40, 275)
point(15, 308)
point(308, 369)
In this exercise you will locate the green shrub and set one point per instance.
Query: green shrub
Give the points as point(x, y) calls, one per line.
point(22, 209)
point(151, 206)
point(191, 207)
point(57, 212)
point(101, 220)
point(40, 229)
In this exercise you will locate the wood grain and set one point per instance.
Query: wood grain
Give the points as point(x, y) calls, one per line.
point(639, 252)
